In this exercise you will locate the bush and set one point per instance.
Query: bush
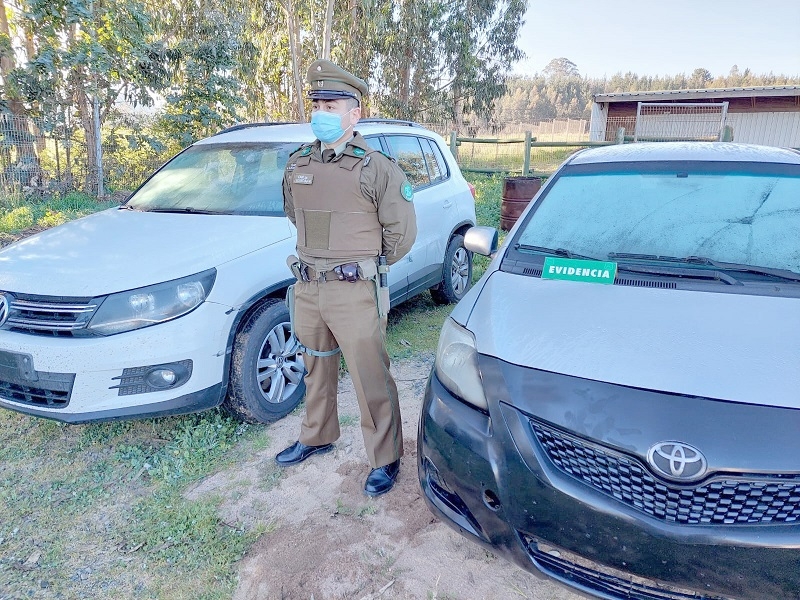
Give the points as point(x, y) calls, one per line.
point(17, 219)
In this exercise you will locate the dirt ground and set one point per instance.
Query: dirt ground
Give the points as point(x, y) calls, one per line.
point(326, 540)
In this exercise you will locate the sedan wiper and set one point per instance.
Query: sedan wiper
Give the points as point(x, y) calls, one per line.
point(692, 260)
point(554, 251)
point(769, 271)
point(717, 265)
point(677, 271)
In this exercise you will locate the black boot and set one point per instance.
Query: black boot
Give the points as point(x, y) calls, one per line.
point(381, 480)
point(297, 453)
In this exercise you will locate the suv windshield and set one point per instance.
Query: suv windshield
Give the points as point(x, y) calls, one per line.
point(747, 214)
point(241, 179)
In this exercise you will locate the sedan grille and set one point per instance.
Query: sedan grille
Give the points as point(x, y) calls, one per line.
point(42, 315)
point(601, 579)
point(735, 499)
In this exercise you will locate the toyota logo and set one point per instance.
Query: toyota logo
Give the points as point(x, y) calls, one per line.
point(676, 460)
point(4, 309)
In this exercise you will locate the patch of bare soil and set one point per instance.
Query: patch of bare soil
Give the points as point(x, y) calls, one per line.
point(326, 540)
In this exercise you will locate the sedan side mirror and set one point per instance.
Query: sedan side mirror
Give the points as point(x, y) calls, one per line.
point(481, 240)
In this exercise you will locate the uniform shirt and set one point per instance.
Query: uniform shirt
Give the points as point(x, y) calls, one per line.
point(382, 182)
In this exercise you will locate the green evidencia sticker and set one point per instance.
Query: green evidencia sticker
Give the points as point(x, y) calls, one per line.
point(591, 271)
point(407, 190)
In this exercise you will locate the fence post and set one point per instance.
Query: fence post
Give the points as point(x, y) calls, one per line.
point(453, 149)
point(526, 167)
point(620, 135)
point(727, 134)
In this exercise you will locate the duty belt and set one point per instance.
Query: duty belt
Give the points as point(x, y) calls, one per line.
point(344, 272)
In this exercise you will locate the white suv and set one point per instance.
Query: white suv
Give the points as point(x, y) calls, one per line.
point(174, 302)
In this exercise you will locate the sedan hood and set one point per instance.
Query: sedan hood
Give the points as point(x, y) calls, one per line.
point(118, 250)
point(683, 342)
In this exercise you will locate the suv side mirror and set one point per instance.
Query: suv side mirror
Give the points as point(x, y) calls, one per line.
point(481, 240)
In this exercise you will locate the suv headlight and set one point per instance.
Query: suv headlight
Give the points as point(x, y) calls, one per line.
point(457, 364)
point(150, 305)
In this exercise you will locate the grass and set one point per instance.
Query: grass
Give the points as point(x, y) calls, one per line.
point(18, 213)
point(114, 492)
point(510, 158)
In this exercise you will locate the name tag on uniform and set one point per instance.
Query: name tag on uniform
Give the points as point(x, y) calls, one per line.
point(303, 178)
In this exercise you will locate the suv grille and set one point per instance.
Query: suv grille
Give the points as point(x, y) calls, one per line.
point(736, 499)
point(54, 393)
point(48, 315)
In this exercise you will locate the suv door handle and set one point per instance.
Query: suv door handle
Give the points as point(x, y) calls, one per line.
point(447, 203)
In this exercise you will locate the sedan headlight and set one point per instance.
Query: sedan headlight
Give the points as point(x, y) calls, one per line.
point(457, 364)
point(150, 305)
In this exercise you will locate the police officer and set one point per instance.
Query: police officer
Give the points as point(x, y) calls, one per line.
point(350, 204)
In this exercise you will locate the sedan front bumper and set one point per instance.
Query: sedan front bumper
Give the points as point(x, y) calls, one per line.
point(490, 477)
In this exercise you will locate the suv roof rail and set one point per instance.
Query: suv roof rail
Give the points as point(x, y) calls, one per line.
point(390, 121)
point(248, 125)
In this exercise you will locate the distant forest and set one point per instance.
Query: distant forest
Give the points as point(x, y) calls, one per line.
point(560, 92)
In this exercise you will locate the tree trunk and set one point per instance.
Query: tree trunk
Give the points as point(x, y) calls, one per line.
point(83, 104)
point(326, 38)
point(458, 109)
point(294, 51)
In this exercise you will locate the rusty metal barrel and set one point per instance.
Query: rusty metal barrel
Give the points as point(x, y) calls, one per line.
point(517, 194)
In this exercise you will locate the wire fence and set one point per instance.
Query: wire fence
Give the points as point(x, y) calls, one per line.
point(39, 161)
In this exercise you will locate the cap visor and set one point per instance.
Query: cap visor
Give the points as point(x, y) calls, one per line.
point(330, 95)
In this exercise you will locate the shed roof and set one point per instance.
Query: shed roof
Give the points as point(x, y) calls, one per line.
point(735, 92)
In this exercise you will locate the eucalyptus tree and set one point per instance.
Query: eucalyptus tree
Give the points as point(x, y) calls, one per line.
point(478, 48)
point(81, 52)
point(408, 66)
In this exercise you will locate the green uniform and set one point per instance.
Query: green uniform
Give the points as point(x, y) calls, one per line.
point(349, 208)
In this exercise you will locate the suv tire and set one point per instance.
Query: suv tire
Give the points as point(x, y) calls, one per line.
point(266, 378)
point(456, 273)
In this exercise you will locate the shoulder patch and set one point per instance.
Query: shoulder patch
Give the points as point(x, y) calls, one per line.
point(306, 151)
point(407, 190)
point(359, 151)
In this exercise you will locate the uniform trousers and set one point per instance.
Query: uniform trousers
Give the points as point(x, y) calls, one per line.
point(340, 313)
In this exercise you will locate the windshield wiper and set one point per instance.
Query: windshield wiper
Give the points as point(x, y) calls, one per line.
point(769, 271)
point(692, 260)
point(188, 209)
point(717, 265)
point(554, 251)
point(682, 272)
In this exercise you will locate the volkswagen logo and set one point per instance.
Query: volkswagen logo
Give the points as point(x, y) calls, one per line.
point(5, 308)
point(678, 461)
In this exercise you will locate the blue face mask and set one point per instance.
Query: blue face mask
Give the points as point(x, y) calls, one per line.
point(327, 126)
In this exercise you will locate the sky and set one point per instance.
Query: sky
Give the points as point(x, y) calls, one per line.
point(662, 37)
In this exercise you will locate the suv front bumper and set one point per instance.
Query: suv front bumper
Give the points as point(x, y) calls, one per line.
point(77, 380)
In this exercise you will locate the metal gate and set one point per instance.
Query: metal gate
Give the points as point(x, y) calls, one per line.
point(677, 121)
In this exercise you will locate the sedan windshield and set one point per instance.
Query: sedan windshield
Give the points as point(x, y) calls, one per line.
point(743, 214)
point(241, 179)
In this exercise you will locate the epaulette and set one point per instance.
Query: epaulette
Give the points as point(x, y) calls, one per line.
point(299, 148)
point(391, 158)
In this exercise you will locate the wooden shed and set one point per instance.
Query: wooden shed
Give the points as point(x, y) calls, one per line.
point(768, 115)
